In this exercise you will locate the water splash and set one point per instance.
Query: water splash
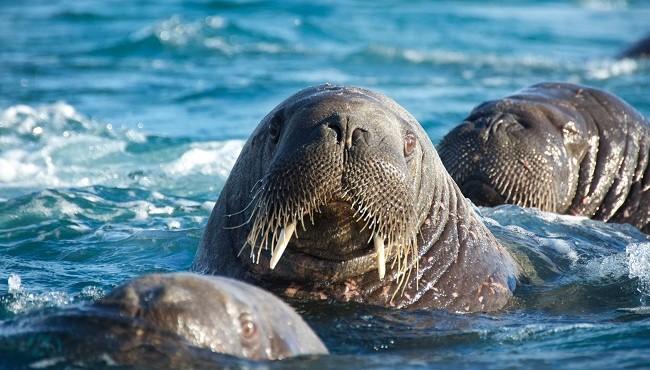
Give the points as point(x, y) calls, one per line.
point(55, 146)
point(638, 262)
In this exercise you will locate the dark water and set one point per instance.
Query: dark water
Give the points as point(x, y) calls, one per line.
point(119, 122)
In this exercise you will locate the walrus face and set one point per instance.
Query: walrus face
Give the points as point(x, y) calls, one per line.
point(220, 314)
point(518, 152)
point(337, 191)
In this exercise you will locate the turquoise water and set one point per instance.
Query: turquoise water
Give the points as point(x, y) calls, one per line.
point(119, 123)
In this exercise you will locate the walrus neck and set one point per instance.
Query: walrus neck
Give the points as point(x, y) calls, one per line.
point(614, 176)
point(459, 255)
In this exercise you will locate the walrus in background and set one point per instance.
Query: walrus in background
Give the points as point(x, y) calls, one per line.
point(339, 194)
point(558, 147)
point(638, 50)
point(179, 320)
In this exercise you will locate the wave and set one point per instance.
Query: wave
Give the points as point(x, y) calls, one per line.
point(211, 34)
point(83, 241)
point(572, 262)
point(55, 146)
point(449, 57)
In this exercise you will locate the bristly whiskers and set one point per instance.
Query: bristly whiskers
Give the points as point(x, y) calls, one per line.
point(381, 201)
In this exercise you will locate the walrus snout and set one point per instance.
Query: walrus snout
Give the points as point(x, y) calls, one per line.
point(337, 186)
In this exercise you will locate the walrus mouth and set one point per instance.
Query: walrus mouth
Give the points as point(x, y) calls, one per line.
point(376, 217)
point(335, 234)
point(482, 193)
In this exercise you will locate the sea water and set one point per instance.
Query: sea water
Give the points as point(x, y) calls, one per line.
point(120, 121)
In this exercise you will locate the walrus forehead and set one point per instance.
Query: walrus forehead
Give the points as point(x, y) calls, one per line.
point(319, 108)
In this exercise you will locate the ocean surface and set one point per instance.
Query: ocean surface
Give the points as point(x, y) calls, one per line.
point(120, 121)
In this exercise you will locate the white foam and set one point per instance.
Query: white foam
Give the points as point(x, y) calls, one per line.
point(529, 331)
point(92, 292)
point(454, 58)
point(37, 121)
point(71, 150)
point(22, 302)
point(638, 263)
point(609, 267)
point(207, 159)
point(173, 224)
point(609, 69)
point(604, 4)
point(14, 167)
point(13, 283)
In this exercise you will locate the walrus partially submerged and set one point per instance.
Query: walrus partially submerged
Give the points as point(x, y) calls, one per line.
point(168, 321)
point(638, 50)
point(558, 147)
point(339, 194)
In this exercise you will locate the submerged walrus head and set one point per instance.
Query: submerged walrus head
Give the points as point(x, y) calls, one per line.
point(165, 321)
point(333, 183)
point(524, 149)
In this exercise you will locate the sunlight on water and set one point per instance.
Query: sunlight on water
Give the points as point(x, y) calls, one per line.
point(119, 125)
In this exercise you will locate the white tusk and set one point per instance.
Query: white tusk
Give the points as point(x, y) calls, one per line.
point(283, 241)
point(381, 257)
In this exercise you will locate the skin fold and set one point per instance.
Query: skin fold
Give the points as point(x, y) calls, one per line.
point(339, 194)
point(558, 147)
point(178, 320)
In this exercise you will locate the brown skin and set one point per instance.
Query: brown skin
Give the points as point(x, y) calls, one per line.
point(558, 147)
point(352, 164)
point(178, 320)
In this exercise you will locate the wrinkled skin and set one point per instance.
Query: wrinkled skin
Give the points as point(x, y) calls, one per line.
point(173, 320)
point(558, 147)
point(638, 50)
point(353, 166)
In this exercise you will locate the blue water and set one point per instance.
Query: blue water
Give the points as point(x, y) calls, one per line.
point(119, 122)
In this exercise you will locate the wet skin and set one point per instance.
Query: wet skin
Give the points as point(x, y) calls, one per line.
point(339, 194)
point(558, 147)
point(174, 320)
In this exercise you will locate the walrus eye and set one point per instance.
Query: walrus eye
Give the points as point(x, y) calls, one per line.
point(248, 327)
point(409, 144)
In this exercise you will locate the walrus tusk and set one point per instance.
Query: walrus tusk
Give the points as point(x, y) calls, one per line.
point(283, 240)
point(381, 257)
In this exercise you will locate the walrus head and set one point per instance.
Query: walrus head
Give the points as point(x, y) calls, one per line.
point(520, 150)
point(214, 313)
point(333, 183)
point(339, 194)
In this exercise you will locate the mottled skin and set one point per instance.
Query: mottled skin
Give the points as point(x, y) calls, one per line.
point(638, 50)
point(174, 320)
point(336, 146)
point(559, 147)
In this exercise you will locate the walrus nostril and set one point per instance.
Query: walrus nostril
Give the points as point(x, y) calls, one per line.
point(358, 134)
point(336, 127)
point(345, 132)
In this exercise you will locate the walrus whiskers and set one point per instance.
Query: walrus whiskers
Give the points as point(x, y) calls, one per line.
point(276, 219)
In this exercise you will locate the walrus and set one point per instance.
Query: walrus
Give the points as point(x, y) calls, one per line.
point(559, 147)
point(638, 50)
point(339, 194)
point(164, 320)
